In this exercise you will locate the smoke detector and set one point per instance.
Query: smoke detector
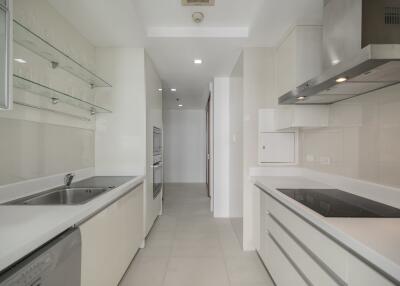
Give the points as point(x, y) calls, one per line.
point(198, 2)
point(198, 17)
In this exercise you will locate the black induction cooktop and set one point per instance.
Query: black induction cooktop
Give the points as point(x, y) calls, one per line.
point(337, 203)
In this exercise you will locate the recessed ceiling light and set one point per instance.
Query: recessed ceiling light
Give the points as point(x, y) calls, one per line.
point(173, 89)
point(301, 97)
point(180, 105)
point(21, 61)
point(341, 79)
point(198, 61)
point(335, 62)
point(160, 89)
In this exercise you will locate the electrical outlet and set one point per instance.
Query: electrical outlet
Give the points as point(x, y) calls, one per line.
point(325, 160)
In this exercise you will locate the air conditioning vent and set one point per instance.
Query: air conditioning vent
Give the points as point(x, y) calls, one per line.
point(198, 2)
point(392, 15)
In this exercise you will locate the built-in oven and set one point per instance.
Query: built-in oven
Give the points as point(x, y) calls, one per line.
point(157, 162)
point(157, 141)
point(157, 175)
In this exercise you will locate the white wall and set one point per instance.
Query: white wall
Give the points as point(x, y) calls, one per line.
point(185, 146)
point(259, 87)
point(221, 147)
point(121, 135)
point(236, 140)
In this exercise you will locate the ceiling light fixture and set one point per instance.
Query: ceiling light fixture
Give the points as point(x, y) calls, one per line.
point(180, 105)
point(341, 79)
point(160, 89)
point(21, 61)
point(301, 97)
point(198, 61)
point(173, 89)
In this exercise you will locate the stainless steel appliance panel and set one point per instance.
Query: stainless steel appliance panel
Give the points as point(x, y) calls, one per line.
point(58, 263)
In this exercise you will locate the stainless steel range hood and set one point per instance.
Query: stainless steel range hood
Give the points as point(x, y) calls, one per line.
point(361, 52)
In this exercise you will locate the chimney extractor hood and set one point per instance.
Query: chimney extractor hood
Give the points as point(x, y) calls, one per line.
point(361, 52)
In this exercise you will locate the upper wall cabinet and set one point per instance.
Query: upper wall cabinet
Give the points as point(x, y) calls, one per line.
point(299, 57)
point(5, 53)
point(282, 119)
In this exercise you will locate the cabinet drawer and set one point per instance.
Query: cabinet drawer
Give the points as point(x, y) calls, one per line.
point(301, 255)
point(328, 251)
point(360, 274)
point(282, 270)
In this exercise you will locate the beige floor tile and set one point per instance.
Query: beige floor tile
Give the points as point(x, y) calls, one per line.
point(197, 271)
point(189, 247)
point(146, 271)
point(246, 270)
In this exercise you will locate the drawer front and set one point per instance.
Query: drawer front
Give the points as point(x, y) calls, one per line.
point(361, 274)
point(317, 274)
point(328, 251)
point(282, 270)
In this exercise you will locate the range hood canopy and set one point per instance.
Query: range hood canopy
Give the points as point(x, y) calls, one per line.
point(362, 52)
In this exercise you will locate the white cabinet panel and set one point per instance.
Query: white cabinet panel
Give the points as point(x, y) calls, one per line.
point(301, 116)
point(277, 147)
point(111, 239)
point(295, 251)
point(299, 57)
point(311, 269)
point(282, 271)
point(361, 274)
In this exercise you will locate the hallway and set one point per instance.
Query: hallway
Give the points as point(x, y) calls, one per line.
point(187, 246)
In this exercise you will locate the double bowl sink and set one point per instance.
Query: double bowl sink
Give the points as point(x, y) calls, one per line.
point(78, 193)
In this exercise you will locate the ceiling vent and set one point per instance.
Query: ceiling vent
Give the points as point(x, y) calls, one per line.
point(198, 2)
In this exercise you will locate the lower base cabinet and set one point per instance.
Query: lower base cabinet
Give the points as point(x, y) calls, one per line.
point(297, 253)
point(111, 239)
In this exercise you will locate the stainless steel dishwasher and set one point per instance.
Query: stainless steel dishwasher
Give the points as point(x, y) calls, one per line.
point(58, 263)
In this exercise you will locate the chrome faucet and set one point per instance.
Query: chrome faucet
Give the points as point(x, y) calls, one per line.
point(68, 179)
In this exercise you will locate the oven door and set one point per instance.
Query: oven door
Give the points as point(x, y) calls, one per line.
point(157, 141)
point(157, 178)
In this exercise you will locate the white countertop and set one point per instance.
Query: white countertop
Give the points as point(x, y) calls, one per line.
point(25, 228)
point(375, 239)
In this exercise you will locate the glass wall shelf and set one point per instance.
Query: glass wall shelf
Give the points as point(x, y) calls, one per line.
point(55, 95)
point(58, 59)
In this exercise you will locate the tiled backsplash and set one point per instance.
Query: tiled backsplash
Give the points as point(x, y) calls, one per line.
point(31, 150)
point(362, 141)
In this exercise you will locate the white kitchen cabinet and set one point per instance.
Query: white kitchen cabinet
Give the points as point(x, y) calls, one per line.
point(297, 253)
point(314, 116)
point(111, 239)
point(360, 274)
point(277, 147)
point(282, 270)
point(289, 118)
point(299, 57)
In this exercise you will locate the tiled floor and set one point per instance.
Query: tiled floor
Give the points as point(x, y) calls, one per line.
point(188, 247)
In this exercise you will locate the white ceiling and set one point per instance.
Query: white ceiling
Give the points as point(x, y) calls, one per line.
point(173, 40)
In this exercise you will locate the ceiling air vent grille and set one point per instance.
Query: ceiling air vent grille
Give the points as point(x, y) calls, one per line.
point(198, 2)
point(392, 15)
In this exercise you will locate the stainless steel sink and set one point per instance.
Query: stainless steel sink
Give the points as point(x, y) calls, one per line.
point(61, 196)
